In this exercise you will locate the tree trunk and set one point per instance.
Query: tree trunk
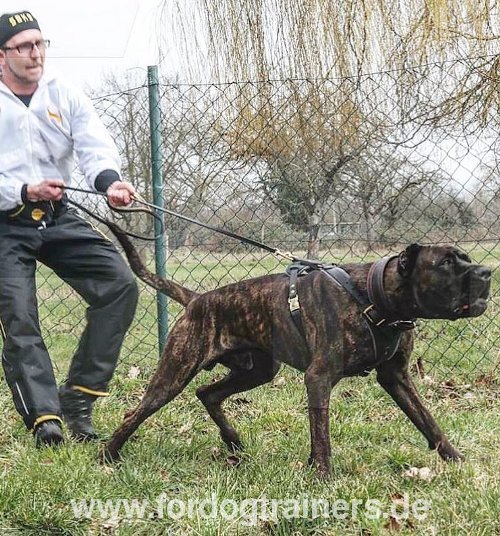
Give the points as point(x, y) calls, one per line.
point(313, 240)
point(370, 233)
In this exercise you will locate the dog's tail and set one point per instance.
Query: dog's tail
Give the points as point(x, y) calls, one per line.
point(173, 290)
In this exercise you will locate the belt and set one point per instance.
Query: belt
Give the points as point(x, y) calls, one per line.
point(35, 214)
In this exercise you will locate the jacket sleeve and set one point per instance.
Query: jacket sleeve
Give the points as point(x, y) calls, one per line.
point(10, 193)
point(93, 145)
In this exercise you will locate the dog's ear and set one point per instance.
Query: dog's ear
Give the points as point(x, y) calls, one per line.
point(407, 260)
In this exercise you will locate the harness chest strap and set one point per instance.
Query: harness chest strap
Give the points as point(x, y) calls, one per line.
point(385, 336)
point(294, 271)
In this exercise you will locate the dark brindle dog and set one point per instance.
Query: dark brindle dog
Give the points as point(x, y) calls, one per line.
point(248, 328)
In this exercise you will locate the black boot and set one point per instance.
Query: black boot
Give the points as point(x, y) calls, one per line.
point(76, 408)
point(48, 434)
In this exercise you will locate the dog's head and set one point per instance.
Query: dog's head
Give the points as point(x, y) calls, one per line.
point(445, 283)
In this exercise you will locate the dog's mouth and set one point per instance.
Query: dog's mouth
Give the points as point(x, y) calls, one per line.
point(473, 309)
point(475, 301)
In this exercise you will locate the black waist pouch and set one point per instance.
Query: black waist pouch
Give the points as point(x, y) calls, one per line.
point(35, 214)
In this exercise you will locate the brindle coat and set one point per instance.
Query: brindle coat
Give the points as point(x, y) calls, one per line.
point(247, 327)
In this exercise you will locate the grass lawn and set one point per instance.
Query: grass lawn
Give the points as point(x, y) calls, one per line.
point(177, 458)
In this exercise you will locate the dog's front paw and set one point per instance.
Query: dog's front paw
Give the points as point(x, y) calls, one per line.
point(449, 453)
point(108, 454)
point(232, 442)
point(322, 468)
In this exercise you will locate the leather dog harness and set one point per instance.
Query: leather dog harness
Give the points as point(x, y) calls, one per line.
point(386, 335)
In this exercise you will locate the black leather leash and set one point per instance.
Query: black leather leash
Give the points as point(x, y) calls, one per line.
point(139, 199)
point(220, 230)
point(115, 209)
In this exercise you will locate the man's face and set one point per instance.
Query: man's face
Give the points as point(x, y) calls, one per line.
point(23, 67)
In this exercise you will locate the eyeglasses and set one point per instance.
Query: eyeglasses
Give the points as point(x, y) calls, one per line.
point(24, 49)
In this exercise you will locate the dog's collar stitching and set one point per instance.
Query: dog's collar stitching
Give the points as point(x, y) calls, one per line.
point(380, 308)
point(375, 285)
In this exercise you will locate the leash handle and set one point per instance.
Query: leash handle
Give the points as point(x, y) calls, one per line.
point(73, 189)
point(121, 210)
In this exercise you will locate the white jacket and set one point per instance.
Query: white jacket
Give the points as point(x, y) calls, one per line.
point(39, 142)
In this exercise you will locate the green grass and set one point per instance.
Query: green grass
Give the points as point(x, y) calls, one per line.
point(178, 451)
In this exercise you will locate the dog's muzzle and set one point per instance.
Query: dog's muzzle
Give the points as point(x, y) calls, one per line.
point(475, 296)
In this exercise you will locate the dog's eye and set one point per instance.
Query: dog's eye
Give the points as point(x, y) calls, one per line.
point(446, 262)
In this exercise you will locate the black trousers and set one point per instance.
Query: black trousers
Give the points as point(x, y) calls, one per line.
point(91, 265)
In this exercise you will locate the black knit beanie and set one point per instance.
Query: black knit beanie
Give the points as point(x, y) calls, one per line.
point(13, 23)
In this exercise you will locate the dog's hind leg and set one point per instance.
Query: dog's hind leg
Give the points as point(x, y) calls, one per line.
point(180, 362)
point(238, 380)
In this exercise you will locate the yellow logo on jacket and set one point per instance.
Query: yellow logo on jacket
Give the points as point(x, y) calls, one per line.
point(53, 114)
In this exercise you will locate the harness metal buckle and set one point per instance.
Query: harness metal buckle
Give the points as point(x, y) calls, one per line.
point(293, 303)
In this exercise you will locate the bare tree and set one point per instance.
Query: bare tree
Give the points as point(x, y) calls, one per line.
point(306, 134)
point(265, 39)
point(383, 186)
point(122, 102)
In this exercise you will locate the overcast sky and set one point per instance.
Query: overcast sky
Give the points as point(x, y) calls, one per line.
point(96, 36)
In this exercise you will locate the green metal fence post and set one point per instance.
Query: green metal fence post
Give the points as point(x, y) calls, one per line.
point(157, 175)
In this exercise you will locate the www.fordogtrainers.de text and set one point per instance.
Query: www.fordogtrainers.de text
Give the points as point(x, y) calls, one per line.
point(250, 511)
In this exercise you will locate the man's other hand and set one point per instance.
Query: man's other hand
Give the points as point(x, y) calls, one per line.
point(120, 194)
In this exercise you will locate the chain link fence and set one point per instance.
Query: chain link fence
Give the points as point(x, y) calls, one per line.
point(339, 170)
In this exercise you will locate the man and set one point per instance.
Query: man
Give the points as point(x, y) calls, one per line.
point(43, 122)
